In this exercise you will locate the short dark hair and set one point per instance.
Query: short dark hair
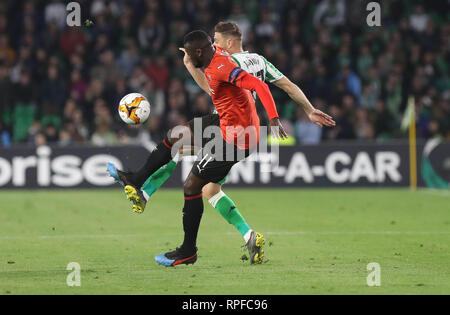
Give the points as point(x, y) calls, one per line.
point(196, 36)
point(228, 28)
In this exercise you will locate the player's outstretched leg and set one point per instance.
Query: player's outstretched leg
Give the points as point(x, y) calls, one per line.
point(160, 156)
point(157, 179)
point(139, 197)
point(136, 196)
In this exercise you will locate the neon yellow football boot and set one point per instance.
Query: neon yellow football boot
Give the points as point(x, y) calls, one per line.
point(136, 197)
point(254, 246)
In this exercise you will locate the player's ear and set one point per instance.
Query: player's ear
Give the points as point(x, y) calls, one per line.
point(229, 43)
point(199, 52)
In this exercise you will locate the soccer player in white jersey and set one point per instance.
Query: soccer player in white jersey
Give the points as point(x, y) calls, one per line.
point(228, 36)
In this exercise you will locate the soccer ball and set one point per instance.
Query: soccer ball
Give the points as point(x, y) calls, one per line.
point(134, 109)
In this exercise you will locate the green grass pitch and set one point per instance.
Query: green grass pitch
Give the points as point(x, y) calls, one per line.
point(317, 242)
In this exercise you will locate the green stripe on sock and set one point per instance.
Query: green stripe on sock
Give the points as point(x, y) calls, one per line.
point(158, 178)
point(226, 207)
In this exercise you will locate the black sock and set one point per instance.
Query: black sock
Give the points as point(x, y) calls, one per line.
point(159, 157)
point(192, 215)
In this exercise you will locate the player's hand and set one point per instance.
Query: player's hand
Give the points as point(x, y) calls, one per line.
point(321, 119)
point(276, 129)
point(186, 58)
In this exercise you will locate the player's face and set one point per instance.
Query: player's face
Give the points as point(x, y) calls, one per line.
point(200, 53)
point(196, 56)
point(220, 40)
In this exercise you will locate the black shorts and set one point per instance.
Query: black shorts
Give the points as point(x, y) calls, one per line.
point(206, 121)
point(214, 162)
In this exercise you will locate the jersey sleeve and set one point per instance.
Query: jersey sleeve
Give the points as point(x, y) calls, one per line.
point(235, 75)
point(272, 73)
point(252, 83)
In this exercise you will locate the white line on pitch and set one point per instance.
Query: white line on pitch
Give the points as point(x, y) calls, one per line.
point(287, 233)
point(356, 233)
point(436, 192)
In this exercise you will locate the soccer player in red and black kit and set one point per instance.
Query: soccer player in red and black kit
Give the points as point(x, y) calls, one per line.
point(239, 128)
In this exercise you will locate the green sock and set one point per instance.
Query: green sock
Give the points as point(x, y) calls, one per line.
point(226, 207)
point(158, 178)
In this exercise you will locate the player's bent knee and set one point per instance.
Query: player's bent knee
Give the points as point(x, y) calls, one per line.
point(181, 132)
point(211, 190)
point(189, 188)
point(193, 185)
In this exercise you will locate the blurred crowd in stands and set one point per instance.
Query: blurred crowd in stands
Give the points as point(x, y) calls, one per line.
point(61, 85)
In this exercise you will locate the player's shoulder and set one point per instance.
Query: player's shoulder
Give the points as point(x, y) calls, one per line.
point(247, 58)
point(226, 60)
point(247, 55)
point(220, 52)
point(222, 61)
point(260, 57)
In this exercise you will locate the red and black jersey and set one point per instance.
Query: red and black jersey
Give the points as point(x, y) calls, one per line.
point(230, 88)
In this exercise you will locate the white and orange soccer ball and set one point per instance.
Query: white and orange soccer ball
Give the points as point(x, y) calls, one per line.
point(134, 109)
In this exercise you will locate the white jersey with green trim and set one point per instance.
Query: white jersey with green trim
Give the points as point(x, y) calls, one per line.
point(257, 66)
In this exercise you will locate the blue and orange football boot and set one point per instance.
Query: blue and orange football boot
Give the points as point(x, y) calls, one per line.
point(177, 257)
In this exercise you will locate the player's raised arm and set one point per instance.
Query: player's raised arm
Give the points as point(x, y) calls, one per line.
point(296, 94)
point(273, 75)
point(196, 73)
point(246, 81)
